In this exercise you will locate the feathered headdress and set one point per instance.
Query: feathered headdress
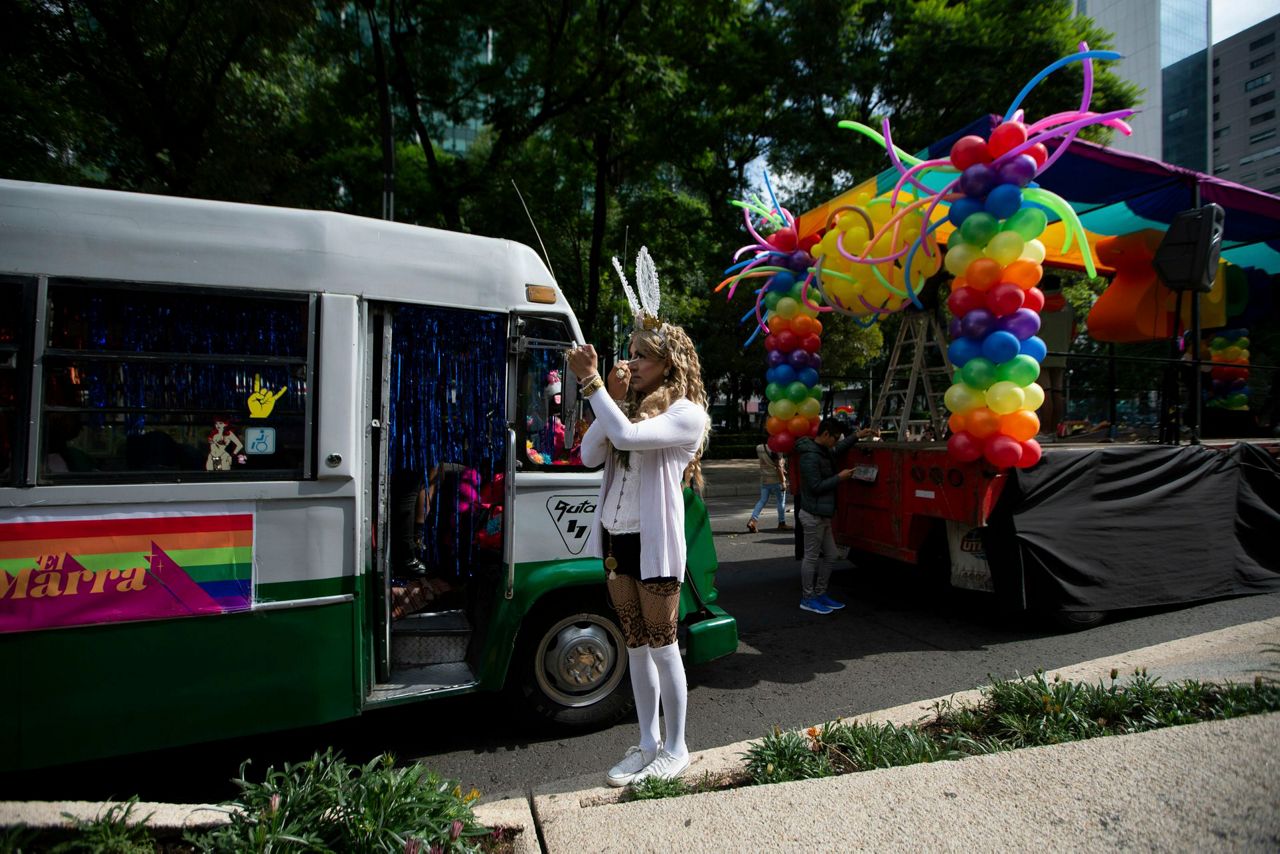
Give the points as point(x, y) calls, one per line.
point(644, 308)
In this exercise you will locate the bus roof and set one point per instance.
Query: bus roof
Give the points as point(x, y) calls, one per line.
point(104, 234)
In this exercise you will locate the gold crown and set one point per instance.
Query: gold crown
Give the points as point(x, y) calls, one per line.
point(649, 322)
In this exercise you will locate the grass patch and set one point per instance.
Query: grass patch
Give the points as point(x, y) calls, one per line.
point(322, 804)
point(1011, 714)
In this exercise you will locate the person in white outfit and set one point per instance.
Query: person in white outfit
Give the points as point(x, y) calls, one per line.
point(649, 431)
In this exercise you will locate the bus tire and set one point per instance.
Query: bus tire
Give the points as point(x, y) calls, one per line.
point(571, 665)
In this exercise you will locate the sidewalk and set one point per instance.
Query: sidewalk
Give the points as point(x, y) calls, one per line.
point(1206, 786)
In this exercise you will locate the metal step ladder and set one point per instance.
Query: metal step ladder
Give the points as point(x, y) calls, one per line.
point(918, 367)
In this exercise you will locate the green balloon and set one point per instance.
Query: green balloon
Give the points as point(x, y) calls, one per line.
point(978, 372)
point(1022, 370)
point(979, 228)
point(771, 300)
point(797, 391)
point(1029, 223)
point(773, 391)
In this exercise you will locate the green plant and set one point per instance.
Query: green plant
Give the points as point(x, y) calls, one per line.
point(653, 788)
point(783, 756)
point(115, 831)
point(328, 804)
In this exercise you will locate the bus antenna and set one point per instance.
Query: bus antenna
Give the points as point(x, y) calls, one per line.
point(545, 256)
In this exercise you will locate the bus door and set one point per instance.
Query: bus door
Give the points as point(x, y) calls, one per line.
point(438, 451)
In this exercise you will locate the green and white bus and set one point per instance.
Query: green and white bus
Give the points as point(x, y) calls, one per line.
point(208, 415)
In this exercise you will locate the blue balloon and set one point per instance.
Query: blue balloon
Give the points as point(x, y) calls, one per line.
point(769, 375)
point(784, 375)
point(1035, 348)
point(781, 282)
point(962, 350)
point(1004, 201)
point(1000, 346)
point(962, 209)
point(808, 376)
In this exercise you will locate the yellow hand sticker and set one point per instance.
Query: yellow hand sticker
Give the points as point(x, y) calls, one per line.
point(262, 401)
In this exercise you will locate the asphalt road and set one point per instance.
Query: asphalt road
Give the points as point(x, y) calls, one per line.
point(901, 639)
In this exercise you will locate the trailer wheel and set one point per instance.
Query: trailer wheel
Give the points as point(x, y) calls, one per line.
point(1074, 621)
point(571, 665)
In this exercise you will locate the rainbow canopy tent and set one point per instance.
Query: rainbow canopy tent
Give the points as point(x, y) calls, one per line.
point(1114, 192)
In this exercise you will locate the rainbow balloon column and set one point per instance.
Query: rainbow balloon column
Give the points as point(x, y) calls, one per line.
point(793, 333)
point(1229, 354)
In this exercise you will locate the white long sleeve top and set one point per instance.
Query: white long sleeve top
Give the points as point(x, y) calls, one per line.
point(669, 442)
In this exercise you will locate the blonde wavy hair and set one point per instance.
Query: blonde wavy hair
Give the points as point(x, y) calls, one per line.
point(671, 344)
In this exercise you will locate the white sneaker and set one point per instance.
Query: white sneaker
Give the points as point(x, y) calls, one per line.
point(635, 761)
point(666, 766)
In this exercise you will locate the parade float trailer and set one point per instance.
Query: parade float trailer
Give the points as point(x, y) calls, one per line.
point(1093, 527)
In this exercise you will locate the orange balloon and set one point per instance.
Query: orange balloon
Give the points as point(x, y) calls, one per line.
point(982, 422)
point(1021, 424)
point(1025, 274)
point(957, 421)
point(800, 325)
point(983, 273)
point(798, 426)
point(773, 426)
point(816, 324)
point(777, 323)
point(959, 282)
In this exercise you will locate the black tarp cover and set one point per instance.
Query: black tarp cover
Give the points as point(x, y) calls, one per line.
point(1131, 526)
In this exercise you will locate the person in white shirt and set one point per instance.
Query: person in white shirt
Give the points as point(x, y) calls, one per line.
point(650, 428)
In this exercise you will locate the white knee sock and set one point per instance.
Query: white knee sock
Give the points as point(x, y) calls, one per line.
point(644, 685)
point(675, 696)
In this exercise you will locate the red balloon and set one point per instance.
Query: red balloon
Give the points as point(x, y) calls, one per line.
point(1033, 298)
point(968, 150)
point(1007, 137)
point(771, 342)
point(964, 300)
point(813, 431)
point(1038, 153)
point(783, 238)
point(812, 343)
point(963, 448)
point(1002, 451)
point(807, 243)
point(787, 341)
point(1005, 298)
point(1031, 453)
point(782, 443)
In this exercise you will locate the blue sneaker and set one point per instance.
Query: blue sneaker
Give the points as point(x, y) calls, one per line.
point(815, 605)
point(832, 604)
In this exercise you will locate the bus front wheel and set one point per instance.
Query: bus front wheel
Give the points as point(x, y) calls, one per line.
point(572, 666)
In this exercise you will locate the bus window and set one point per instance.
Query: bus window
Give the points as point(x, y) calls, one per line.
point(15, 375)
point(158, 384)
point(552, 419)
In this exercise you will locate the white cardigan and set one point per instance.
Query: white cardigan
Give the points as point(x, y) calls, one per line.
point(669, 442)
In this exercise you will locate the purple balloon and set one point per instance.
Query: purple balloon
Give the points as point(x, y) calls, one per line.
point(775, 358)
point(1023, 323)
point(1020, 170)
point(800, 261)
point(798, 358)
point(999, 346)
point(953, 331)
point(815, 361)
point(977, 322)
point(978, 180)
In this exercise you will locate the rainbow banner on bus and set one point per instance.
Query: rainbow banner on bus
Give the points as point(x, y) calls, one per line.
point(187, 561)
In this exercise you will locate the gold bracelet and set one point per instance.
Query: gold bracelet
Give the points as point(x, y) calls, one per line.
point(586, 382)
point(592, 386)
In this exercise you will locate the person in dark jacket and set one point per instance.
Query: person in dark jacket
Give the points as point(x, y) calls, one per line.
point(816, 505)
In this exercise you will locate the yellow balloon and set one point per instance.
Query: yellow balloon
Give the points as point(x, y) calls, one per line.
point(1003, 397)
point(787, 307)
point(1005, 247)
point(960, 398)
point(1244, 354)
point(959, 258)
point(1033, 250)
point(809, 407)
point(1231, 354)
point(783, 408)
point(842, 290)
point(1034, 396)
point(880, 211)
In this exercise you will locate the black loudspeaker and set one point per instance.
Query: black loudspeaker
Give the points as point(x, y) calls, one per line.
point(1187, 258)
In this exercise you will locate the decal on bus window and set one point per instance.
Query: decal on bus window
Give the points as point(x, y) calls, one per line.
point(262, 400)
point(182, 561)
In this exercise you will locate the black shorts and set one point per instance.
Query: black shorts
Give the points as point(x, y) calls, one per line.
point(625, 549)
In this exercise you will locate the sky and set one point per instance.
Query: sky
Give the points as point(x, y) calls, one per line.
point(1232, 16)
